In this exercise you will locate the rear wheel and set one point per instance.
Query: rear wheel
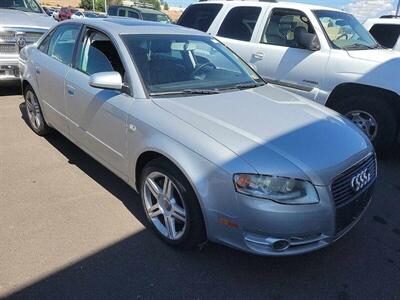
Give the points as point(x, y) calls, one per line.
point(170, 205)
point(374, 117)
point(34, 113)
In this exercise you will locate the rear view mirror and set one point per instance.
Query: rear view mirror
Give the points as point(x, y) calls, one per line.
point(307, 40)
point(106, 80)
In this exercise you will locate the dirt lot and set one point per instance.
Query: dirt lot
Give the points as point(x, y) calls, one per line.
point(71, 229)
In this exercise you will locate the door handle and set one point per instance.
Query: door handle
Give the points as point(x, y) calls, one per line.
point(258, 55)
point(70, 90)
point(37, 70)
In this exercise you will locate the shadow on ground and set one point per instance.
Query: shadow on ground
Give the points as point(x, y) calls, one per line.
point(364, 265)
point(7, 89)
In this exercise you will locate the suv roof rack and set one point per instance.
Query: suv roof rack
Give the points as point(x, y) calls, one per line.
point(389, 17)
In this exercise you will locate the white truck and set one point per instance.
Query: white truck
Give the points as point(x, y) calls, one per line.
point(22, 22)
point(386, 30)
point(320, 53)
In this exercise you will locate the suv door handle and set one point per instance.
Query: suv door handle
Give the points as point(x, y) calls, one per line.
point(70, 90)
point(258, 55)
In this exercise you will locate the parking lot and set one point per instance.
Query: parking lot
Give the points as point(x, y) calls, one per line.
point(69, 228)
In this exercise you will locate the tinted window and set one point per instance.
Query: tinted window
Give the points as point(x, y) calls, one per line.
point(112, 11)
point(62, 43)
point(283, 26)
point(99, 54)
point(200, 16)
point(386, 34)
point(121, 12)
point(133, 14)
point(44, 45)
point(239, 23)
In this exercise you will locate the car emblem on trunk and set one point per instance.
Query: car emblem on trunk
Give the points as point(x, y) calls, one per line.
point(360, 180)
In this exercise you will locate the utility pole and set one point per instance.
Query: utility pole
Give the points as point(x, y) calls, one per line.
point(398, 8)
point(94, 8)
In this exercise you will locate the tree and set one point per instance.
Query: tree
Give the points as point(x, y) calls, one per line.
point(88, 4)
point(166, 6)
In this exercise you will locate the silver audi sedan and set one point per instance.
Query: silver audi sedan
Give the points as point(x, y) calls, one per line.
point(214, 152)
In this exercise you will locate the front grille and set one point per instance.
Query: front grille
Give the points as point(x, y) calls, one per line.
point(342, 191)
point(8, 39)
point(8, 48)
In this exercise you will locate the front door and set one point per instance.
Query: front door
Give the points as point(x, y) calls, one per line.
point(282, 61)
point(98, 117)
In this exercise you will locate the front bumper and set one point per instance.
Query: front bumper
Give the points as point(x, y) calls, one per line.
point(9, 69)
point(304, 228)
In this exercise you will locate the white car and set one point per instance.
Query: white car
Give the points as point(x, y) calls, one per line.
point(323, 54)
point(84, 14)
point(386, 31)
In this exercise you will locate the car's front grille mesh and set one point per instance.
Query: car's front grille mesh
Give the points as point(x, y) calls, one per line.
point(341, 186)
point(32, 37)
point(7, 36)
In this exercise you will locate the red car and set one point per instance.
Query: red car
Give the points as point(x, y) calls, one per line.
point(66, 13)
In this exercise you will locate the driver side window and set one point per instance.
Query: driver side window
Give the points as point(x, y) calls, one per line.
point(283, 26)
point(98, 54)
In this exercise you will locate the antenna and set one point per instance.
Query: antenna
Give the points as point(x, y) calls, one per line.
point(398, 8)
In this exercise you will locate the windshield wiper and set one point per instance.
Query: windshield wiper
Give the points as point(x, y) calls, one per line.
point(249, 85)
point(187, 91)
point(359, 46)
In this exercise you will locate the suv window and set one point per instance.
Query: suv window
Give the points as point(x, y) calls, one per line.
point(282, 27)
point(121, 12)
point(199, 16)
point(133, 14)
point(62, 43)
point(386, 34)
point(98, 54)
point(239, 23)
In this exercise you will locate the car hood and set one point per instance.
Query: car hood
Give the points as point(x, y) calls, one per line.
point(375, 55)
point(266, 126)
point(16, 18)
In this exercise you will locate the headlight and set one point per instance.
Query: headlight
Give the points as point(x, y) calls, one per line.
point(278, 189)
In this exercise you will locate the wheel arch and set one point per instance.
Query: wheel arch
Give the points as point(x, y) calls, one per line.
point(153, 153)
point(345, 89)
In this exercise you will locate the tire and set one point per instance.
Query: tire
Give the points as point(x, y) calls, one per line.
point(34, 113)
point(189, 233)
point(384, 116)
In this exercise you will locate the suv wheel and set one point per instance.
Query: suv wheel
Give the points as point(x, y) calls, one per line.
point(171, 205)
point(374, 117)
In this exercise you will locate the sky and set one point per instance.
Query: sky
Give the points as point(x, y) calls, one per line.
point(362, 9)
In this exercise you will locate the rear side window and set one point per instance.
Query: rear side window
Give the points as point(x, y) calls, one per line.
point(121, 12)
point(62, 43)
point(200, 16)
point(386, 34)
point(239, 23)
point(112, 11)
point(133, 14)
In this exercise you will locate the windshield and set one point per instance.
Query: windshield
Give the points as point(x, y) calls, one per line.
point(155, 17)
point(344, 31)
point(24, 5)
point(179, 63)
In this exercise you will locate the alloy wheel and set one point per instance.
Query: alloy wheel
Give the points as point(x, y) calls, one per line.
point(33, 110)
point(365, 121)
point(164, 205)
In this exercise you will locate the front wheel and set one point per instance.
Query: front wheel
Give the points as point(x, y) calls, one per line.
point(171, 205)
point(374, 117)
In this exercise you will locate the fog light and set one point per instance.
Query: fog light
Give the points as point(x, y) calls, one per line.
point(280, 245)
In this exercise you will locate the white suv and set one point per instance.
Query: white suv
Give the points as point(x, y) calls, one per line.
point(321, 53)
point(386, 31)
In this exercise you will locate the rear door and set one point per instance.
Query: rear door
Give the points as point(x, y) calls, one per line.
point(53, 61)
point(98, 117)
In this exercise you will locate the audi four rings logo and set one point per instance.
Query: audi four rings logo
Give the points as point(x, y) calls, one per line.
point(360, 180)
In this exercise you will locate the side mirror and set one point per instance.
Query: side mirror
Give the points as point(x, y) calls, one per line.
point(307, 40)
point(106, 80)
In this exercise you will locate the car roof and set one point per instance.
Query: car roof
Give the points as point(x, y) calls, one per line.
point(294, 5)
point(121, 25)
